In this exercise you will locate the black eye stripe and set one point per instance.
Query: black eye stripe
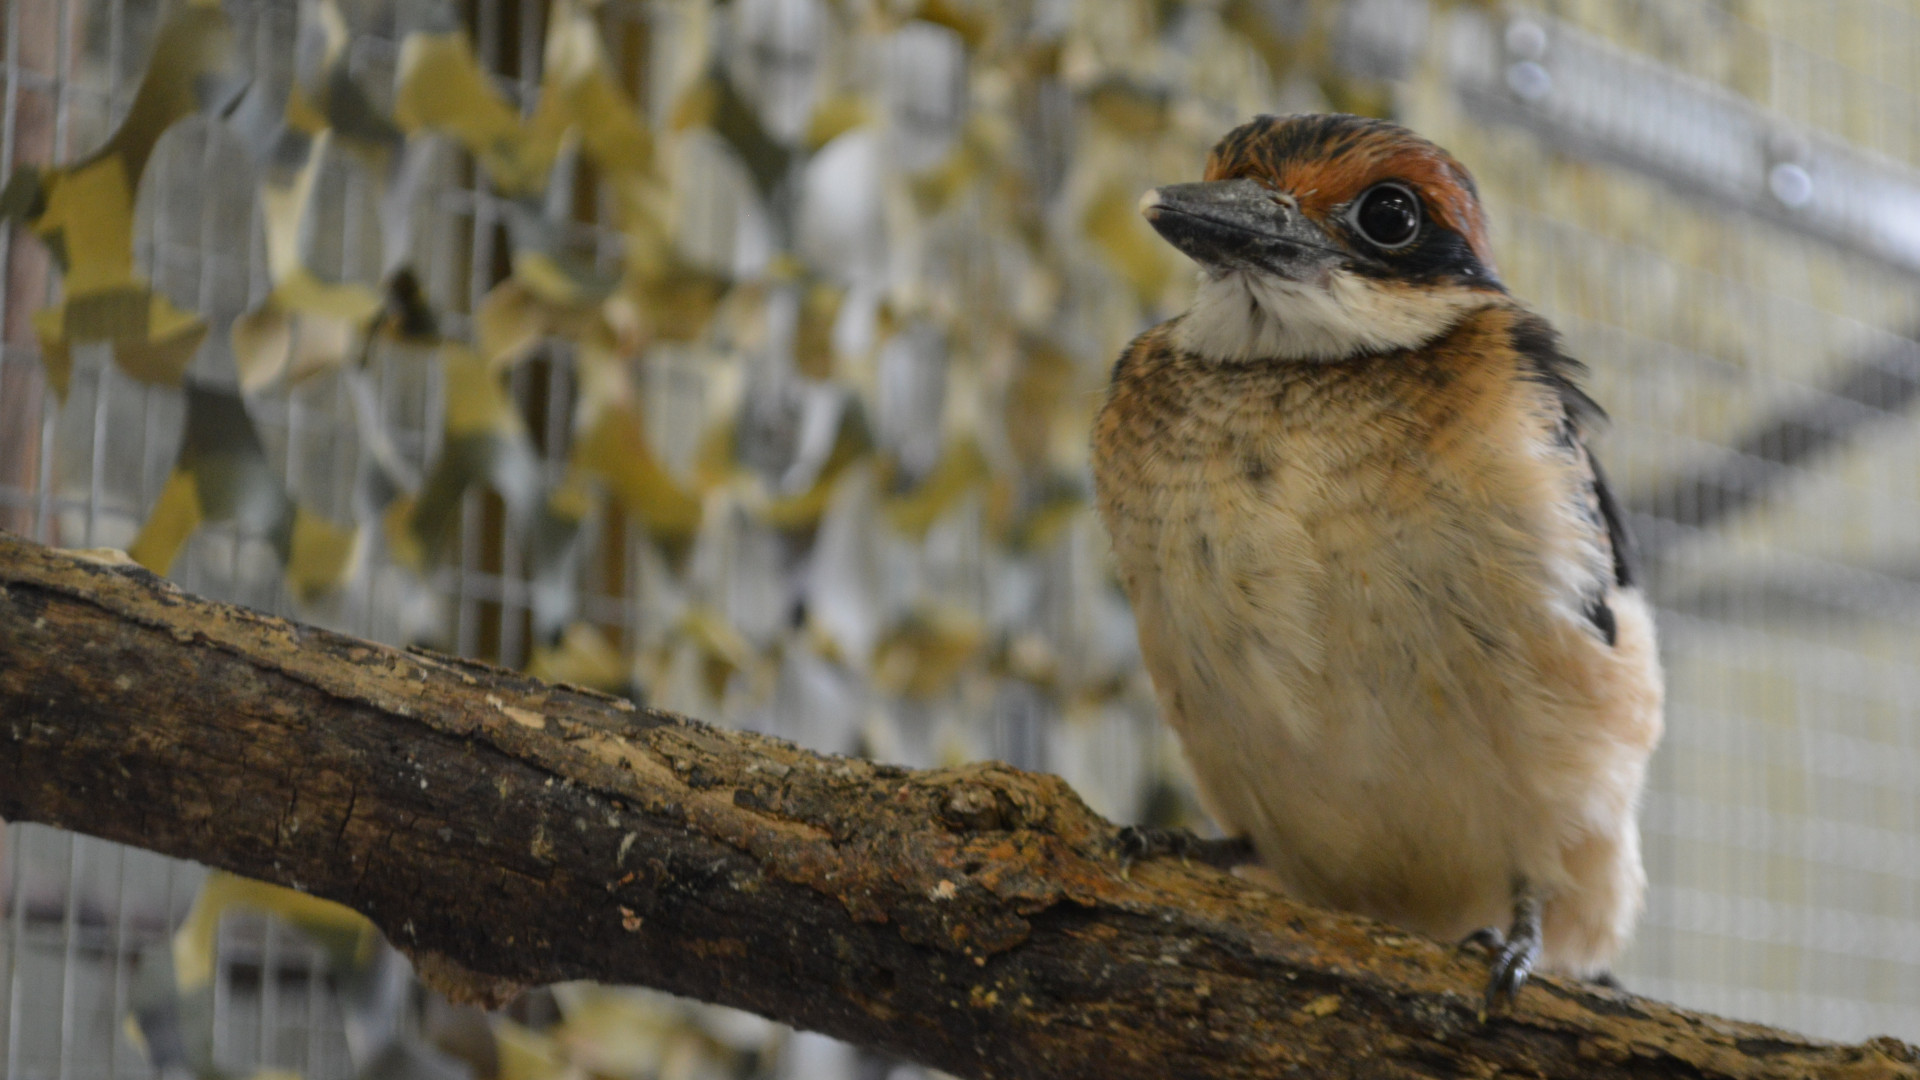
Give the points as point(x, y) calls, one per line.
point(1436, 254)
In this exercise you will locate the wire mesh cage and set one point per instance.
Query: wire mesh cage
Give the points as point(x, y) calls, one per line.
point(856, 275)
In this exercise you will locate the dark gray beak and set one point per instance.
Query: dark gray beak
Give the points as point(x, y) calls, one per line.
point(1240, 225)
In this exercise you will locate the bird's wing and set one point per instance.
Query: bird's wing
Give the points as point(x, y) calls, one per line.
point(1580, 417)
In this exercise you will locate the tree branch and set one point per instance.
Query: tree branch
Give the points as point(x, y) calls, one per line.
point(511, 832)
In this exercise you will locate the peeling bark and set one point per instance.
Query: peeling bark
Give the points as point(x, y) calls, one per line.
point(510, 832)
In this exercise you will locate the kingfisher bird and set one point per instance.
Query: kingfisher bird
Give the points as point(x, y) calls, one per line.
point(1383, 591)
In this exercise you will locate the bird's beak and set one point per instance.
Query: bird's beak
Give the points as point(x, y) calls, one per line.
point(1240, 225)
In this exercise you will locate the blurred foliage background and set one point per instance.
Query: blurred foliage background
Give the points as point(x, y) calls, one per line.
point(739, 357)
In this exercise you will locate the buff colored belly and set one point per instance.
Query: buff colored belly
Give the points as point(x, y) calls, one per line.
point(1327, 669)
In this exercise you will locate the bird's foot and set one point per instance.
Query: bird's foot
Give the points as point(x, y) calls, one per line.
point(1490, 939)
point(1514, 952)
point(1136, 842)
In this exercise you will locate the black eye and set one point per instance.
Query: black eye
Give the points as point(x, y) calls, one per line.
point(1388, 215)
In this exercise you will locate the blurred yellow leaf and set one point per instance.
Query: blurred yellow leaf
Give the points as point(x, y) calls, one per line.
point(262, 345)
point(1034, 398)
point(973, 20)
point(578, 93)
point(1029, 513)
point(322, 554)
point(695, 106)
point(1134, 110)
point(738, 122)
point(526, 1054)
point(442, 87)
point(476, 401)
point(175, 515)
point(582, 657)
point(89, 215)
point(329, 99)
point(89, 211)
point(222, 474)
point(162, 354)
point(924, 654)
point(346, 935)
point(572, 500)
point(680, 302)
point(556, 281)
point(614, 446)
point(1114, 223)
point(284, 209)
point(1256, 23)
point(938, 186)
point(304, 325)
point(349, 301)
point(813, 339)
point(85, 214)
point(486, 443)
point(508, 324)
point(320, 343)
point(624, 1033)
point(722, 649)
point(396, 527)
point(803, 509)
point(836, 116)
point(962, 468)
point(55, 355)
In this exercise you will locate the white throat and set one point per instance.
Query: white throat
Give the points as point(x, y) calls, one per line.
point(1244, 315)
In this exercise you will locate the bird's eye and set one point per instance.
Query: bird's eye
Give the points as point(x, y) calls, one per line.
point(1388, 215)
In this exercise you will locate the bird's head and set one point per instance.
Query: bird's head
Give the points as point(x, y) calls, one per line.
point(1321, 237)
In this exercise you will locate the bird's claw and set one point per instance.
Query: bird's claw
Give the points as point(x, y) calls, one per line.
point(1489, 938)
point(1511, 966)
point(1514, 952)
point(1136, 842)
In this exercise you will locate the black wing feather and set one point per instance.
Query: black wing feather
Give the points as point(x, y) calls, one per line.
point(1537, 343)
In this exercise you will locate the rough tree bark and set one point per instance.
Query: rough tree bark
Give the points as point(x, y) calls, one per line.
point(510, 832)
